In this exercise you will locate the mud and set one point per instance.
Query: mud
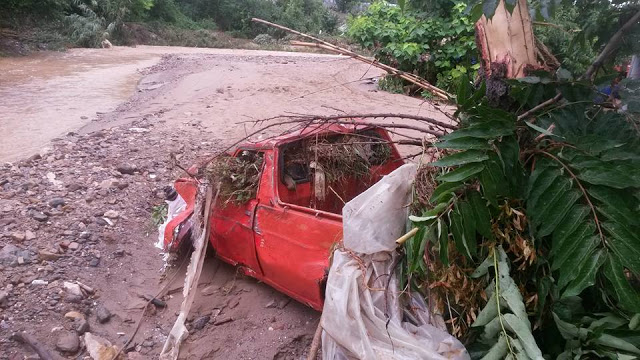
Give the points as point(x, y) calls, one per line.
point(68, 214)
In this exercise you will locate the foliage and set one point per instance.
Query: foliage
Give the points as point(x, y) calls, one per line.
point(237, 176)
point(557, 199)
point(437, 48)
point(159, 214)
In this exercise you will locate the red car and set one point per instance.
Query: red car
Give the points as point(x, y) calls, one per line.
point(284, 234)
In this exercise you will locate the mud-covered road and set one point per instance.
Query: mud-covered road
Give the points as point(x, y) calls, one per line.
point(77, 197)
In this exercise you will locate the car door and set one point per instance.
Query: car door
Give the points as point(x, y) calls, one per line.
point(293, 245)
point(232, 233)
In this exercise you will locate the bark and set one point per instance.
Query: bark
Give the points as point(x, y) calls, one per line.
point(507, 39)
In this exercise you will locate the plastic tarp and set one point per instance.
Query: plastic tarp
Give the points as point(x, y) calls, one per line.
point(364, 316)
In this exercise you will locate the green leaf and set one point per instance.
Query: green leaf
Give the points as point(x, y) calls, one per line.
point(464, 143)
point(568, 261)
point(482, 215)
point(616, 207)
point(469, 230)
point(461, 158)
point(523, 332)
point(574, 218)
point(634, 322)
point(567, 330)
point(493, 182)
point(556, 211)
point(443, 238)
point(608, 174)
point(541, 130)
point(625, 244)
point(457, 230)
point(462, 173)
point(628, 297)
point(444, 192)
point(541, 179)
point(483, 130)
point(488, 313)
point(498, 351)
point(616, 343)
point(586, 273)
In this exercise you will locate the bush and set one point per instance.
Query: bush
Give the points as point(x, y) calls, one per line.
point(439, 49)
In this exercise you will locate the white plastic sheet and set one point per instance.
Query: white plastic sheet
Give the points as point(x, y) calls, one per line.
point(362, 317)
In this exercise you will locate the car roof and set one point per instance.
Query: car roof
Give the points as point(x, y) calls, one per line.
point(311, 130)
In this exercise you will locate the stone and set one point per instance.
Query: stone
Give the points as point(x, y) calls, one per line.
point(4, 299)
point(102, 314)
point(128, 169)
point(39, 216)
point(18, 236)
point(8, 255)
point(283, 303)
point(68, 342)
point(201, 322)
point(271, 304)
point(111, 214)
point(81, 326)
point(48, 255)
point(99, 348)
point(209, 290)
point(94, 262)
point(29, 235)
point(73, 246)
point(74, 315)
point(72, 289)
point(55, 202)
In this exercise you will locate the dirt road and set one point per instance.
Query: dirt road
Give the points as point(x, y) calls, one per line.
point(81, 210)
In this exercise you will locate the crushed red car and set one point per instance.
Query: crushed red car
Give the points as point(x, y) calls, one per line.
point(282, 233)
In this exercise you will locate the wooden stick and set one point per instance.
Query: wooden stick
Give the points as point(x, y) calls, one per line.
point(329, 46)
point(315, 344)
point(36, 345)
point(391, 70)
point(406, 236)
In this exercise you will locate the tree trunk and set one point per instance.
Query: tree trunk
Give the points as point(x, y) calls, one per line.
point(634, 67)
point(506, 42)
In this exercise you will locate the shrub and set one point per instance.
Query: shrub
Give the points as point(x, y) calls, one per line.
point(437, 48)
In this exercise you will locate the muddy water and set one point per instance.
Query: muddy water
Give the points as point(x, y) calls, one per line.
point(48, 94)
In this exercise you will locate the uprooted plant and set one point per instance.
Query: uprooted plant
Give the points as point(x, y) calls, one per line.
point(528, 241)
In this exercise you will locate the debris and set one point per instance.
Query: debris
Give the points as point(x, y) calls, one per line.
point(223, 320)
point(4, 299)
point(55, 202)
point(284, 302)
point(209, 290)
point(271, 304)
point(36, 345)
point(68, 342)
point(73, 246)
point(201, 322)
point(39, 282)
point(100, 348)
point(155, 301)
point(103, 314)
point(238, 176)
point(138, 130)
point(39, 216)
point(18, 236)
point(73, 289)
point(29, 235)
point(81, 326)
point(74, 315)
point(127, 169)
point(111, 214)
point(48, 255)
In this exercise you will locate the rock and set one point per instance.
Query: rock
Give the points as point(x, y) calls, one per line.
point(55, 202)
point(127, 169)
point(111, 214)
point(4, 299)
point(81, 326)
point(99, 348)
point(222, 320)
point(18, 236)
point(284, 302)
point(29, 235)
point(209, 290)
point(8, 255)
point(72, 289)
point(73, 246)
point(48, 255)
point(68, 342)
point(94, 262)
point(74, 315)
point(39, 216)
point(271, 304)
point(103, 314)
point(201, 322)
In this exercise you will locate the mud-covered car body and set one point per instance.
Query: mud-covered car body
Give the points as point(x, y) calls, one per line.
point(284, 235)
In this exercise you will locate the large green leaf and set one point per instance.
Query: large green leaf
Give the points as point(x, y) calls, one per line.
point(443, 240)
point(482, 215)
point(625, 244)
point(540, 209)
point(457, 230)
point(608, 174)
point(464, 143)
point(493, 182)
point(461, 158)
point(628, 297)
point(574, 218)
point(616, 207)
point(556, 211)
point(444, 192)
point(586, 273)
point(541, 179)
point(523, 332)
point(462, 173)
point(469, 229)
point(483, 130)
